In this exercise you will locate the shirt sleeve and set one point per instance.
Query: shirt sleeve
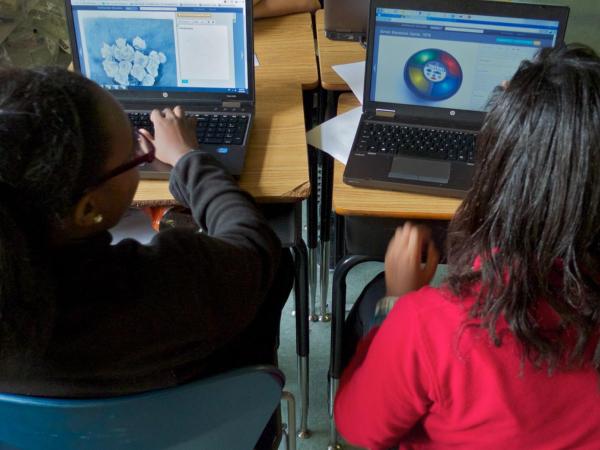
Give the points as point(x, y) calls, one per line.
point(386, 389)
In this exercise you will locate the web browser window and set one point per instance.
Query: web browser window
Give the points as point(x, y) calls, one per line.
point(175, 45)
point(450, 60)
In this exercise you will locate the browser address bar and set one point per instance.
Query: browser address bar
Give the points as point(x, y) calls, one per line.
point(157, 8)
point(464, 30)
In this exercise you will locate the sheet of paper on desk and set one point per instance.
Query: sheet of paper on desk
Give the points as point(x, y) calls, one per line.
point(256, 63)
point(354, 76)
point(336, 135)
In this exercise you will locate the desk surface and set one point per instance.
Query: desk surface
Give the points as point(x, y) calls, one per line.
point(353, 201)
point(332, 53)
point(276, 168)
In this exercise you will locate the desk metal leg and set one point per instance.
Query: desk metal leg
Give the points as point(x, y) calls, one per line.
point(310, 118)
point(326, 194)
point(313, 229)
point(326, 199)
point(302, 343)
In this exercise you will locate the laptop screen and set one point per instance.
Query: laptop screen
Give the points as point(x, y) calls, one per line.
point(450, 60)
point(163, 45)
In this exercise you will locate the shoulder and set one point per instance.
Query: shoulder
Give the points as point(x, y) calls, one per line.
point(430, 303)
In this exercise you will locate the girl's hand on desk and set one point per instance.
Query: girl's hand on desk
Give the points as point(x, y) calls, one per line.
point(403, 269)
point(174, 134)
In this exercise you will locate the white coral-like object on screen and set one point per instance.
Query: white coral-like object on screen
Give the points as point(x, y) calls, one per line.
point(107, 51)
point(128, 65)
point(138, 72)
point(148, 81)
point(152, 68)
point(125, 53)
point(110, 67)
point(140, 59)
point(139, 43)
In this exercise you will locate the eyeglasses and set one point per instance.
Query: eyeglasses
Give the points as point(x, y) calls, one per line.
point(140, 157)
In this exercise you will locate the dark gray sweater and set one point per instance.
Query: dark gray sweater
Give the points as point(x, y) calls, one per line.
point(134, 317)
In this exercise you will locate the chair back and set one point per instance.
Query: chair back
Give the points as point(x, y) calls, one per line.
point(227, 412)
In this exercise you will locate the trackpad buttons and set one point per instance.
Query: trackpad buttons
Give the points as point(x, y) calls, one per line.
point(424, 170)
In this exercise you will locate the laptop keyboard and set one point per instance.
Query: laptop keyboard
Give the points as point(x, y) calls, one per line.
point(395, 139)
point(228, 129)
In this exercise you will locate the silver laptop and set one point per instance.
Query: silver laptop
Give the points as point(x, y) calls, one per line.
point(432, 66)
point(161, 53)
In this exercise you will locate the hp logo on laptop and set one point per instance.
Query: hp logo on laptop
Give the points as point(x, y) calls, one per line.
point(452, 113)
point(165, 94)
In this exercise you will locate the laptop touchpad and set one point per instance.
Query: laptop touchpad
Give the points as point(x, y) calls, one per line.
point(424, 170)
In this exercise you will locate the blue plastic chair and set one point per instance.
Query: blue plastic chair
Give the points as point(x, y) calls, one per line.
point(226, 412)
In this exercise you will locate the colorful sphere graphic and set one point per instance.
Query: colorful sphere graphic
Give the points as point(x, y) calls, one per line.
point(433, 74)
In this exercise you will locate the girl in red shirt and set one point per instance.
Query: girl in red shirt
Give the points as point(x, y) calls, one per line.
point(505, 354)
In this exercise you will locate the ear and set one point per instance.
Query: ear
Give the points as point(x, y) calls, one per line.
point(86, 213)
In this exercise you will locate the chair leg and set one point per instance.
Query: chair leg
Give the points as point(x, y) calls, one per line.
point(338, 317)
point(291, 419)
point(302, 341)
point(304, 432)
point(333, 437)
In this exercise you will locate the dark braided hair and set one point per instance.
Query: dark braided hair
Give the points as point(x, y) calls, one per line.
point(533, 214)
point(50, 148)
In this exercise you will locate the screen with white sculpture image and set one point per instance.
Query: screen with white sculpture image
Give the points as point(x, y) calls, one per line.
point(184, 45)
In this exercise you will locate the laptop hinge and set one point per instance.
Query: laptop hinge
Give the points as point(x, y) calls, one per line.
point(385, 112)
point(231, 104)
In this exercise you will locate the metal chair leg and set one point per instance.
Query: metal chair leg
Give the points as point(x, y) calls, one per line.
point(302, 341)
point(338, 317)
point(304, 432)
point(291, 419)
point(333, 437)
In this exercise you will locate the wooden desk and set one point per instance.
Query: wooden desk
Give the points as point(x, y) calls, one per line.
point(332, 53)
point(354, 201)
point(276, 168)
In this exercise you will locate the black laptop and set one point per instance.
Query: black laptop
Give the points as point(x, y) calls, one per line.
point(161, 53)
point(432, 66)
point(346, 20)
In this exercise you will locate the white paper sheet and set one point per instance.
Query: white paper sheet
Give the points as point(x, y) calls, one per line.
point(336, 135)
point(256, 63)
point(354, 76)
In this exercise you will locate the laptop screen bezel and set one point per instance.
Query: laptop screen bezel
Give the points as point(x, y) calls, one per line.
point(449, 116)
point(181, 97)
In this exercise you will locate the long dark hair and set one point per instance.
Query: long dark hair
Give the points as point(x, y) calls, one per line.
point(533, 214)
point(50, 147)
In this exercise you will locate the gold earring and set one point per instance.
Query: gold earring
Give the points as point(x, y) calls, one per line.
point(98, 218)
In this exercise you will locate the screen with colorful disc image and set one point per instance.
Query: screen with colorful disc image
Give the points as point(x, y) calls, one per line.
point(449, 60)
point(433, 74)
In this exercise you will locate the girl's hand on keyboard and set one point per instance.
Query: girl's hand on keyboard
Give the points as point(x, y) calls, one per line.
point(174, 134)
point(403, 269)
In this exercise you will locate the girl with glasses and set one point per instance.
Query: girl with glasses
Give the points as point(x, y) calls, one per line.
point(80, 317)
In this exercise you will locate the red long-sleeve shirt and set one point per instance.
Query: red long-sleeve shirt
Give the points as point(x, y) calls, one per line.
point(426, 380)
